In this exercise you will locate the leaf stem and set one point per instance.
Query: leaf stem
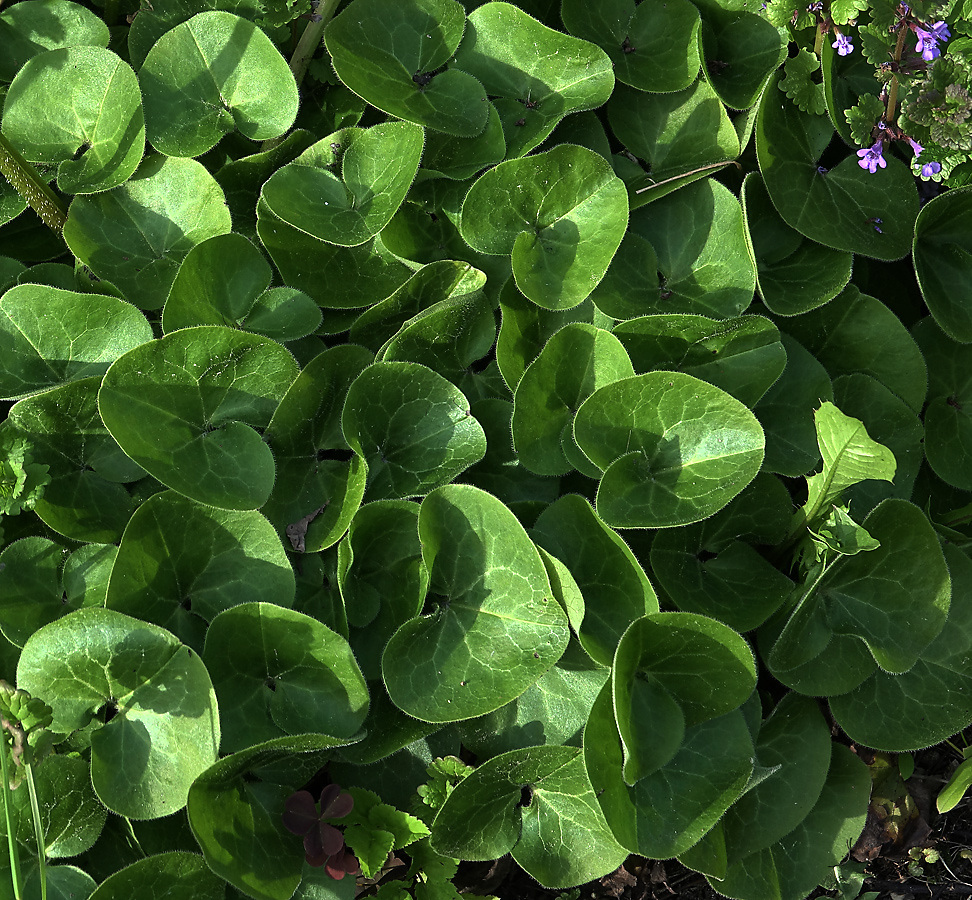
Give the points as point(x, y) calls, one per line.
point(893, 88)
point(28, 183)
point(15, 875)
point(310, 40)
point(718, 165)
point(38, 830)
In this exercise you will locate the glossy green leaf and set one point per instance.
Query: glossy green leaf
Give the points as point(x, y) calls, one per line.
point(77, 108)
point(561, 214)
point(163, 727)
point(210, 76)
point(712, 567)
point(943, 261)
point(392, 54)
point(30, 587)
point(743, 356)
point(631, 286)
point(157, 876)
point(948, 428)
point(137, 234)
point(894, 598)
point(376, 165)
point(30, 29)
point(673, 449)
point(539, 75)
point(493, 627)
point(319, 482)
point(676, 134)
point(180, 563)
point(930, 701)
point(237, 819)
point(203, 295)
point(575, 362)
point(858, 333)
point(185, 408)
point(673, 670)
point(704, 262)
point(278, 672)
point(840, 207)
point(538, 805)
point(614, 588)
point(793, 273)
point(653, 47)
point(86, 499)
point(49, 336)
point(669, 811)
point(460, 158)
point(786, 412)
point(413, 428)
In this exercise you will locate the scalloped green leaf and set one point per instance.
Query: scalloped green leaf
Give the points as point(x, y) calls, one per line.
point(185, 408)
point(31, 28)
point(277, 672)
point(538, 805)
point(669, 811)
point(743, 355)
point(614, 590)
point(78, 108)
point(320, 482)
point(793, 273)
point(672, 671)
point(575, 362)
point(654, 47)
point(163, 730)
point(943, 261)
point(673, 449)
point(561, 214)
point(413, 428)
point(202, 294)
point(377, 166)
point(136, 235)
point(180, 563)
point(210, 76)
point(494, 627)
point(395, 54)
point(86, 499)
point(836, 208)
point(538, 75)
point(49, 336)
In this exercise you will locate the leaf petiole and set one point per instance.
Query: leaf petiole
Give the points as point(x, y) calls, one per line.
point(15, 875)
point(28, 183)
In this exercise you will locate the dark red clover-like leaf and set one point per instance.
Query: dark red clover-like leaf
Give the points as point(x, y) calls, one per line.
point(300, 813)
point(335, 804)
point(343, 864)
point(321, 842)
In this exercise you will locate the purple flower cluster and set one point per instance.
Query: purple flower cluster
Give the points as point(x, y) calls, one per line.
point(928, 40)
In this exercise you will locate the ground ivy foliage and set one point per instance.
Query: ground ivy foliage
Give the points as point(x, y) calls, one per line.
point(508, 419)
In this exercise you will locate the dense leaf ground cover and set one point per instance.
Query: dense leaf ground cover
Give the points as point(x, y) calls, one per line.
point(442, 433)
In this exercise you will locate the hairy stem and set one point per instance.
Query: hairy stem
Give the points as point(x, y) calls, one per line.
point(310, 40)
point(893, 87)
point(38, 831)
point(25, 180)
point(15, 876)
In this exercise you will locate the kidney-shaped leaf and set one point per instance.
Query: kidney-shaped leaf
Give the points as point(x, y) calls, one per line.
point(538, 804)
point(78, 108)
point(49, 336)
point(494, 627)
point(561, 214)
point(674, 449)
point(157, 876)
point(392, 53)
point(185, 407)
point(162, 727)
point(211, 75)
point(278, 672)
point(376, 165)
point(673, 670)
point(412, 426)
point(180, 563)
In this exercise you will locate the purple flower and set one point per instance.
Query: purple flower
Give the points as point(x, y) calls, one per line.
point(931, 168)
point(916, 147)
point(843, 45)
point(872, 157)
point(928, 40)
point(816, 6)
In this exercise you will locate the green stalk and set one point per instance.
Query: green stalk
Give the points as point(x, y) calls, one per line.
point(893, 89)
point(25, 180)
point(310, 40)
point(15, 876)
point(38, 831)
